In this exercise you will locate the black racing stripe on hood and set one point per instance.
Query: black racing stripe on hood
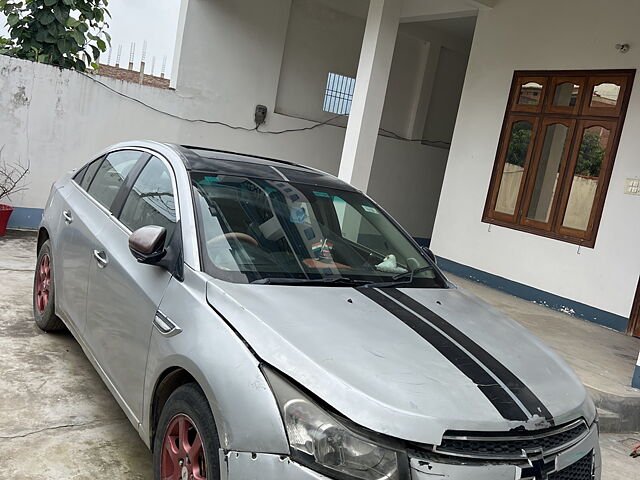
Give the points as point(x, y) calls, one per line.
point(495, 393)
point(513, 383)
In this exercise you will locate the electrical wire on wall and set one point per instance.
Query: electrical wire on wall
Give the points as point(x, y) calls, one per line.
point(425, 141)
point(435, 143)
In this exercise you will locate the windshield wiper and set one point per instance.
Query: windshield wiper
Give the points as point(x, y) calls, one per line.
point(399, 279)
point(310, 281)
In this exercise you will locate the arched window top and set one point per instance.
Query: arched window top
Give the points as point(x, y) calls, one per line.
point(605, 95)
point(530, 93)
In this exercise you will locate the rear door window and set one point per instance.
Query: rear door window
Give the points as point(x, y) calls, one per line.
point(110, 175)
point(84, 176)
point(151, 200)
point(80, 174)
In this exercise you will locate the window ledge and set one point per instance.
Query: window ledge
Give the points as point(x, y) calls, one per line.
point(583, 242)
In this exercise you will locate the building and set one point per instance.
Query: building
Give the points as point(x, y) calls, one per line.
point(500, 133)
point(576, 247)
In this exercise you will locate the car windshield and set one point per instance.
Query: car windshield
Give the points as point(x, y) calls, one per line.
point(271, 231)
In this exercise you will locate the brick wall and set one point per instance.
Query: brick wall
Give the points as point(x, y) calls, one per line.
point(132, 76)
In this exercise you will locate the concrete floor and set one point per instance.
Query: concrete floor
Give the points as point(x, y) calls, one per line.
point(58, 420)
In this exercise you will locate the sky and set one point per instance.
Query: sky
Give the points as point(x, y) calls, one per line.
point(137, 21)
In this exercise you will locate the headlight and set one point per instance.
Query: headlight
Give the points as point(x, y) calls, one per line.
point(327, 444)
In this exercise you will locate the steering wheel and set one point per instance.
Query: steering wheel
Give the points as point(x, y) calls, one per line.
point(241, 237)
point(252, 252)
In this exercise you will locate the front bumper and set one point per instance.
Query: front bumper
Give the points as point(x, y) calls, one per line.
point(427, 468)
point(249, 466)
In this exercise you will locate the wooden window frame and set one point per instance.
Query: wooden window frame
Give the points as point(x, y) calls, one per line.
point(528, 108)
point(545, 123)
point(577, 118)
point(560, 110)
point(504, 147)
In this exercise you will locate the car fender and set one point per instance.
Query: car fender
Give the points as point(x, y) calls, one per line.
point(244, 408)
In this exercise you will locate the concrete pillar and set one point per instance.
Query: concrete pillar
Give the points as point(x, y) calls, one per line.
point(182, 21)
point(142, 65)
point(371, 88)
point(419, 114)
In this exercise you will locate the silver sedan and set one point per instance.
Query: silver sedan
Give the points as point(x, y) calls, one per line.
point(256, 318)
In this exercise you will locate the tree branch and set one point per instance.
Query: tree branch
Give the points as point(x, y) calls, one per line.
point(12, 176)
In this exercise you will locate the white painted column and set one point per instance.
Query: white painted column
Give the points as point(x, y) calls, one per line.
point(371, 88)
point(177, 53)
point(419, 114)
point(635, 380)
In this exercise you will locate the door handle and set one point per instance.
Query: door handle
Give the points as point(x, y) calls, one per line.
point(101, 258)
point(67, 217)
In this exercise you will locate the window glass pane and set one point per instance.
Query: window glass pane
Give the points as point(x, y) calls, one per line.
point(566, 94)
point(585, 177)
point(338, 94)
point(530, 93)
point(514, 167)
point(89, 173)
point(79, 174)
point(548, 169)
point(357, 228)
point(254, 228)
point(111, 174)
point(605, 95)
point(151, 200)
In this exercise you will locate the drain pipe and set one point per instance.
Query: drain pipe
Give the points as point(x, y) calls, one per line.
point(635, 381)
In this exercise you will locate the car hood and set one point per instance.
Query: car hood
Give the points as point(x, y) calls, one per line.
point(363, 354)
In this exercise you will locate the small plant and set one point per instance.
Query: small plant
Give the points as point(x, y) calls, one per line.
point(65, 33)
point(12, 176)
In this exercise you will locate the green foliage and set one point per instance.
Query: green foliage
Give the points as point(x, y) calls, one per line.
point(590, 155)
point(65, 33)
point(519, 143)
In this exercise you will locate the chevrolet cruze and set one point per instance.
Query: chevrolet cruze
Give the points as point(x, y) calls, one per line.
point(258, 319)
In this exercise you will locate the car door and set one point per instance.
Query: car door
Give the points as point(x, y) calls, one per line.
point(124, 294)
point(84, 212)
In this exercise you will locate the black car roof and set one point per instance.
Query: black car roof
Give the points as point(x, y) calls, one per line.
point(199, 159)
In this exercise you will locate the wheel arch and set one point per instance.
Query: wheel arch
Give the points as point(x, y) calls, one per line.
point(43, 236)
point(237, 394)
point(169, 380)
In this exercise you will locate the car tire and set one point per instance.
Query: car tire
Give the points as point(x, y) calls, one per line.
point(44, 292)
point(170, 451)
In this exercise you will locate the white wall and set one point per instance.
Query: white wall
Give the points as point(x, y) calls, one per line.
point(445, 96)
point(319, 40)
point(406, 179)
point(230, 60)
point(55, 120)
point(572, 34)
point(282, 63)
point(324, 37)
point(405, 84)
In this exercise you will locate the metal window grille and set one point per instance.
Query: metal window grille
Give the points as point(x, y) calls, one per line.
point(339, 94)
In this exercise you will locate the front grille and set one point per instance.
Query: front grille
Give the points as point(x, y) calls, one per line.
point(580, 470)
point(512, 445)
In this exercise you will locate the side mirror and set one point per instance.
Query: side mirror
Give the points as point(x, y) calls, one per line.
point(430, 254)
point(147, 244)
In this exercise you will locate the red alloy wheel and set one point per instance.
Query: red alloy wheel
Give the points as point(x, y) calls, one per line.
point(43, 283)
point(182, 451)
